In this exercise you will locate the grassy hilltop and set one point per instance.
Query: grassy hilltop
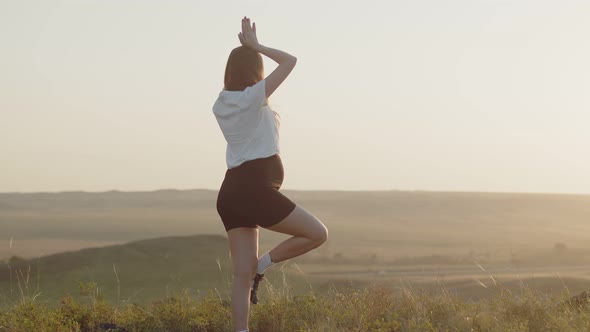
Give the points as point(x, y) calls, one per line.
point(375, 309)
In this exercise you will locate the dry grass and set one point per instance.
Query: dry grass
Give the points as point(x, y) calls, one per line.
point(374, 308)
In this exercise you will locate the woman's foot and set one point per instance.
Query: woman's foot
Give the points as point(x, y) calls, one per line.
point(254, 290)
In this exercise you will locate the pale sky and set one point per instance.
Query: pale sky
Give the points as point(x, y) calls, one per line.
point(472, 95)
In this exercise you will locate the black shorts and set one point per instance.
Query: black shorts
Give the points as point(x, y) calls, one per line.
point(249, 195)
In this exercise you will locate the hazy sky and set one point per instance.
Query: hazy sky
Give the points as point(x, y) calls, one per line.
point(473, 95)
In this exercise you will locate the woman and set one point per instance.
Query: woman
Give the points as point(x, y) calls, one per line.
point(249, 195)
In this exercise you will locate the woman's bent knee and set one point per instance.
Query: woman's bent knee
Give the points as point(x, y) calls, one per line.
point(320, 236)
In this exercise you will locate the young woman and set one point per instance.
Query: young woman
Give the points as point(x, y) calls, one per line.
point(249, 195)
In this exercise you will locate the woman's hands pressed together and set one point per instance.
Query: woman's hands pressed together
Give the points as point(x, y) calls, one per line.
point(285, 60)
point(248, 35)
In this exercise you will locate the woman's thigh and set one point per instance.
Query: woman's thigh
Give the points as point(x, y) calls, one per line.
point(300, 223)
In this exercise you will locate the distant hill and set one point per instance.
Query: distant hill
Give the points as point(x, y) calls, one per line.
point(146, 269)
point(106, 199)
point(45, 223)
point(390, 223)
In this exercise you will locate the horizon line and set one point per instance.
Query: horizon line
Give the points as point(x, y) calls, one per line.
point(301, 190)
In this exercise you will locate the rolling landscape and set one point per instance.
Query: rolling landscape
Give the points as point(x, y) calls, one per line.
point(141, 246)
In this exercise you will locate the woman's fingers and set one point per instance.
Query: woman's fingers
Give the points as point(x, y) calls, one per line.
point(248, 31)
point(245, 26)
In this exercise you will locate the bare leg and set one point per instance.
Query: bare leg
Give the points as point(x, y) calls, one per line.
point(243, 244)
point(308, 233)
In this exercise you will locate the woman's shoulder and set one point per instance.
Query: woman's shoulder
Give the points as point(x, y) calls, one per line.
point(254, 88)
point(252, 96)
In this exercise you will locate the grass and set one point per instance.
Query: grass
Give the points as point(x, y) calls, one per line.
point(374, 308)
point(291, 299)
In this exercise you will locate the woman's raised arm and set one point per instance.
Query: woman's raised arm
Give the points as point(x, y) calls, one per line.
point(285, 60)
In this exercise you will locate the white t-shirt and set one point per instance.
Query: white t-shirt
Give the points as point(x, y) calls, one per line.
point(249, 125)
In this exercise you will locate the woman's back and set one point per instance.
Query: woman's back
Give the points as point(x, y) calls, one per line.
point(249, 125)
